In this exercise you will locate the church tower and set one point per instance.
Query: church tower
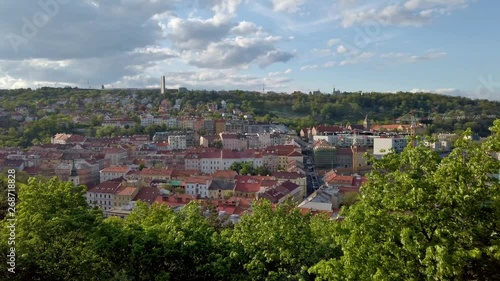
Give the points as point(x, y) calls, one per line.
point(366, 123)
point(73, 175)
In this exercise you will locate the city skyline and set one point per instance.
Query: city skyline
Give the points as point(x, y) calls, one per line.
point(445, 47)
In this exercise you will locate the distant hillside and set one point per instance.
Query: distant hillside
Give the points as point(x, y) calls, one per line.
point(300, 110)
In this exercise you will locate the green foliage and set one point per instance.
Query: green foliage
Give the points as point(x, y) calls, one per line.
point(423, 218)
point(246, 168)
point(53, 233)
point(275, 244)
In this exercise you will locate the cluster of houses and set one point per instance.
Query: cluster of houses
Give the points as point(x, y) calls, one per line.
point(191, 160)
point(344, 147)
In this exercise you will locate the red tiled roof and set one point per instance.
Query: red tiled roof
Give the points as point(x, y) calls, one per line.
point(389, 127)
point(322, 129)
point(76, 138)
point(198, 180)
point(32, 171)
point(268, 183)
point(252, 178)
point(116, 169)
point(223, 174)
point(126, 190)
point(111, 186)
point(295, 154)
point(228, 136)
point(286, 175)
point(147, 194)
point(290, 186)
point(114, 150)
point(247, 187)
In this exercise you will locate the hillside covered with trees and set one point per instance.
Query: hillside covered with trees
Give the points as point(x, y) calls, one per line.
point(298, 110)
point(419, 217)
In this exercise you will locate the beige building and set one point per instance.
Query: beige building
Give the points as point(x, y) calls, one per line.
point(124, 195)
point(113, 172)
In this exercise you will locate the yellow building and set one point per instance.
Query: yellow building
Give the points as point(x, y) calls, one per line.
point(124, 195)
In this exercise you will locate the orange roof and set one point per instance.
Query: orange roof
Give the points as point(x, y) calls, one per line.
point(389, 127)
point(111, 186)
point(223, 174)
point(154, 172)
point(294, 154)
point(126, 190)
point(116, 169)
point(247, 187)
point(198, 180)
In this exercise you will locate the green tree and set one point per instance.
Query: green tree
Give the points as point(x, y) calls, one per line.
point(423, 218)
point(275, 243)
point(53, 233)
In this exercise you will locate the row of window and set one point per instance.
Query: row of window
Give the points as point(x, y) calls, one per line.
point(99, 195)
point(99, 202)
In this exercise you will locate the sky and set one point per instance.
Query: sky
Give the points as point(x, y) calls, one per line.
point(442, 46)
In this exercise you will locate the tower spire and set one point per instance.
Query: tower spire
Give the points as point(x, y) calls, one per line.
point(366, 123)
point(73, 175)
point(73, 172)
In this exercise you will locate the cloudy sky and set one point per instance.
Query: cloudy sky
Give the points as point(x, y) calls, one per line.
point(446, 46)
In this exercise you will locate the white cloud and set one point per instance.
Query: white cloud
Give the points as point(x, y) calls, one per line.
point(195, 33)
point(329, 64)
point(290, 6)
point(409, 13)
point(332, 42)
point(357, 58)
point(408, 58)
point(442, 91)
point(246, 28)
point(309, 67)
point(278, 73)
point(205, 79)
point(341, 49)
point(238, 52)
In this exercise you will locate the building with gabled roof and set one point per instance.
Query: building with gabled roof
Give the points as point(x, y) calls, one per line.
point(113, 172)
point(323, 130)
point(220, 188)
point(198, 186)
point(147, 194)
point(282, 192)
point(103, 194)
